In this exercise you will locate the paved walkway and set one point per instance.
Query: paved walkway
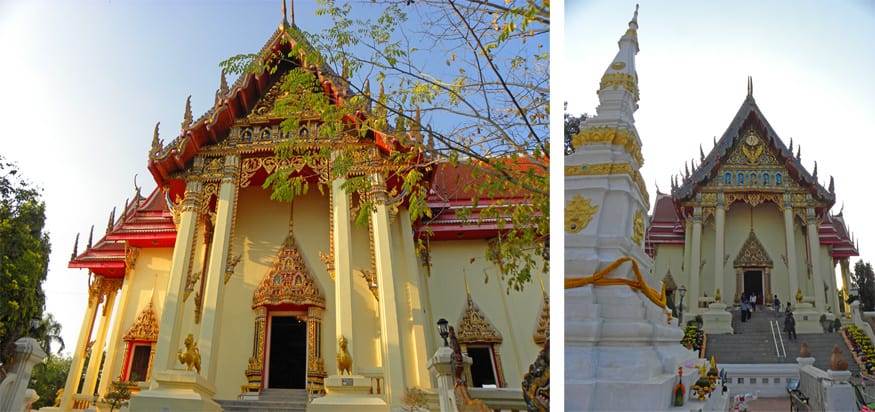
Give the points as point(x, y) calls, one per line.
point(769, 405)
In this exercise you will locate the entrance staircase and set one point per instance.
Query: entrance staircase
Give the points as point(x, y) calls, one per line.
point(271, 400)
point(753, 343)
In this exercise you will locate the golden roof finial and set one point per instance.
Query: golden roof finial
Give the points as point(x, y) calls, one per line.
point(750, 86)
point(187, 117)
point(90, 236)
point(157, 144)
point(284, 22)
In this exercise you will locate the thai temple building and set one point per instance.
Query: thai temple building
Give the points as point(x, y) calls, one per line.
point(750, 218)
point(205, 291)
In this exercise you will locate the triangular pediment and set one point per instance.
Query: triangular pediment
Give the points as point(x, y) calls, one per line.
point(752, 254)
point(475, 327)
point(288, 281)
point(751, 157)
point(145, 328)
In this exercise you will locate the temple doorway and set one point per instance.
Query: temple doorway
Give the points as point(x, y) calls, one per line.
point(753, 282)
point(287, 353)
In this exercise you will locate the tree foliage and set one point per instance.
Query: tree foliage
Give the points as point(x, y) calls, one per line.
point(48, 377)
point(24, 258)
point(863, 279)
point(460, 81)
point(572, 128)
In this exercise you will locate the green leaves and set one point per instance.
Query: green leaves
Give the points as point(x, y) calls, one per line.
point(24, 257)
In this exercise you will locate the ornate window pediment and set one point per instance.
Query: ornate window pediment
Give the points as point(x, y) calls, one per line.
point(145, 328)
point(752, 254)
point(288, 281)
point(474, 327)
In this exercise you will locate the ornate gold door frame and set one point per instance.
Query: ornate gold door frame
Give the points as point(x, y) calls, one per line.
point(256, 372)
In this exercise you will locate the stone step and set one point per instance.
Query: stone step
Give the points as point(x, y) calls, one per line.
point(270, 400)
point(753, 342)
point(262, 406)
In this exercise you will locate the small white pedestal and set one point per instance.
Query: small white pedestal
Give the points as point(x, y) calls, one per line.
point(350, 393)
point(716, 320)
point(177, 391)
point(807, 318)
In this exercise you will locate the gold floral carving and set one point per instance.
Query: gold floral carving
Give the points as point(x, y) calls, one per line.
point(752, 254)
point(624, 80)
point(145, 328)
point(754, 198)
point(288, 280)
point(610, 169)
point(578, 213)
point(610, 135)
point(474, 327)
point(638, 228)
point(542, 331)
point(100, 287)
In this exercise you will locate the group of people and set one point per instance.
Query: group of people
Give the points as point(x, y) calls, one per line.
point(749, 303)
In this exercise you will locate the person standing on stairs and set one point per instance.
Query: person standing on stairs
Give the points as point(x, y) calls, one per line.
point(790, 325)
point(777, 306)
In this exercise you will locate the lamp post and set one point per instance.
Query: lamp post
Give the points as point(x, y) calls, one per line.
point(682, 291)
point(444, 330)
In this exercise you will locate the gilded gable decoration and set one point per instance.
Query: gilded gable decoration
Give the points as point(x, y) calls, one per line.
point(474, 327)
point(542, 332)
point(752, 254)
point(145, 328)
point(288, 281)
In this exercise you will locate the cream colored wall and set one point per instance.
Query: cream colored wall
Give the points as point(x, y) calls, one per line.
point(769, 228)
point(515, 315)
point(262, 225)
point(151, 269)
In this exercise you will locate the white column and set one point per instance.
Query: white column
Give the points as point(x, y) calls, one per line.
point(720, 218)
point(422, 330)
point(695, 259)
point(811, 224)
point(114, 342)
point(214, 291)
point(791, 252)
point(343, 286)
point(393, 354)
point(78, 362)
point(99, 341)
point(171, 312)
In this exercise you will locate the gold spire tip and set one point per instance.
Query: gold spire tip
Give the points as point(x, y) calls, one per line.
point(750, 86)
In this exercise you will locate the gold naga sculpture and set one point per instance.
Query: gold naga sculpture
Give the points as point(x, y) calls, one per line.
point(344, 359)
point(192, 355)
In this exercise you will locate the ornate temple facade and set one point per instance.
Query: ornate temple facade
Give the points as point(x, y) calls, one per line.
point(750, 218)
point(206, 290)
